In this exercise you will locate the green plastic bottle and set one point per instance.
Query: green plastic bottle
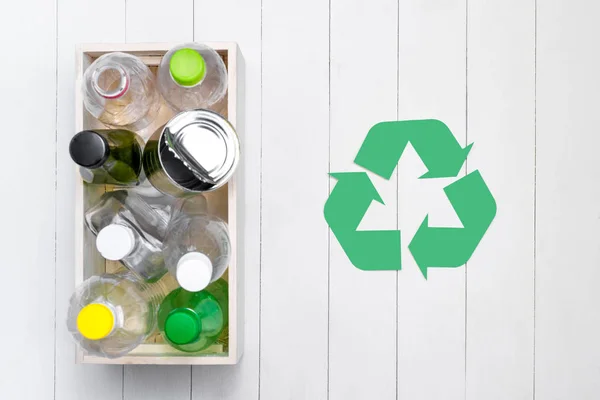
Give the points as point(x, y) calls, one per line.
point(192, 322)
point(108, 156)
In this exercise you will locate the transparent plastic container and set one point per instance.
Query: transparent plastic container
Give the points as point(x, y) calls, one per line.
point(120, 90)
point(129, 230)
point(192, 76)
point(109, 156)
point(195, 205)
point(110, 315)
point(197, 250)
point(193, 322)
point(168, 206)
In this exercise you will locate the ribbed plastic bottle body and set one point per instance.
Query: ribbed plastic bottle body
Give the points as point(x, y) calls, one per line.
point(191, 206)
point(204, 94)
point(201, 233)
point(147, 225)
point(131, 207)
point(145, 259)
point(208, 317)
point(120, 90)
point(170, 207)
point(132, 303)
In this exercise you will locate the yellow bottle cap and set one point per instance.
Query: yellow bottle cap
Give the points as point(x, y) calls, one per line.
point(95, 321)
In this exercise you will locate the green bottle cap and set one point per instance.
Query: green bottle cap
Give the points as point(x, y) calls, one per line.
point(182, 326)
point(187, 67)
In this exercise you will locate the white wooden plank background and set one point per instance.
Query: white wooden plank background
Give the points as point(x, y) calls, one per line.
point(567, 322)
point(295, 161)
point(517, 78)
point(362, 306)
point(28, 327)
point(501, 123)
point(431, 314)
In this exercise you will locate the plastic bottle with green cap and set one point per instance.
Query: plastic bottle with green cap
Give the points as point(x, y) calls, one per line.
point(193, 322)
point(110, 315)
point(192, 76)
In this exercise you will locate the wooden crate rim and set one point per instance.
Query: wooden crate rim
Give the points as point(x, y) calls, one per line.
point(84, 52)
point(97, 49)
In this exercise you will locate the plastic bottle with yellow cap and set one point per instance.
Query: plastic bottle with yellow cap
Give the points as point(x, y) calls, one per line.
point(192, 76)
point(110, 315)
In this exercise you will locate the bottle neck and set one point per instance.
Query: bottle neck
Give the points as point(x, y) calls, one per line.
point(186, 86)
point(110, 81)
point(136, 244)
point(194, 271)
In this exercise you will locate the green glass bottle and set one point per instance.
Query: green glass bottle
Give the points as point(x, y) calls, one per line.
point(192, 322)
point(109, 156)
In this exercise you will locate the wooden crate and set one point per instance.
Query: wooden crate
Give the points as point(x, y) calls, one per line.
point(222, 202)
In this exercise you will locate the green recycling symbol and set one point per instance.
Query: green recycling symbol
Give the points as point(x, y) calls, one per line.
point(443, 156)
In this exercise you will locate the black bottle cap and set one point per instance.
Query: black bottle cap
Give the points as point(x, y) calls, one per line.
point(89, 149)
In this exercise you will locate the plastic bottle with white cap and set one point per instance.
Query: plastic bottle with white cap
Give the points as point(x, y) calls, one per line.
point(197, 249)
point(130, 231)
point(110, 315)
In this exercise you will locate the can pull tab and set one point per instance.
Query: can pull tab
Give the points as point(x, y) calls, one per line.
point(201, 173)
point(206, 144)
point(198, 170)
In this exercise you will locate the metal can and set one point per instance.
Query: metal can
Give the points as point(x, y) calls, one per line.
point(196, 151)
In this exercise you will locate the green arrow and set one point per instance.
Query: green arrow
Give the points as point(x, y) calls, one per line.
point(349, 200)
point(452, 247)
point(345, 208)
point(432, 140)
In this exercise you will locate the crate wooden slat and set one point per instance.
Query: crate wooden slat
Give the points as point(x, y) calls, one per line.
point(222, 202)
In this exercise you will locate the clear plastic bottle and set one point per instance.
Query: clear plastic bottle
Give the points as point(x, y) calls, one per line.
point(111, 156)
point(194, 321)
point(197, 250)
point(168, 206)
point(110, 315)
point(195, 205)
point(171, 207)
point(129, 230)
point(119, 90)
point(192, 76)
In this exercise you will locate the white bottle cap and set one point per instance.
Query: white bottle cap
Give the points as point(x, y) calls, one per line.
point(115, 242)
point(194, 271)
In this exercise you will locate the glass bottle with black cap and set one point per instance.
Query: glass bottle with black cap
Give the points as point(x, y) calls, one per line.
point(111, 156)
